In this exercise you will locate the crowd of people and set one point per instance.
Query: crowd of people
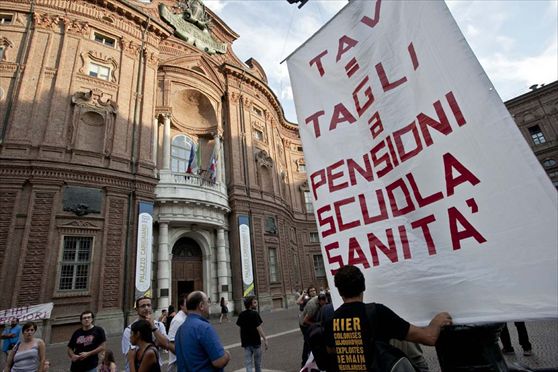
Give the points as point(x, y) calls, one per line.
point(355, 336)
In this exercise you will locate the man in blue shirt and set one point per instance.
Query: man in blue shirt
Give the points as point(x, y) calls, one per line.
point(10, 337)
point(198, 347)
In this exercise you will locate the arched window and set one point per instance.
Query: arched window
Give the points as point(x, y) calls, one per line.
point(549, 163)
point(180, 153)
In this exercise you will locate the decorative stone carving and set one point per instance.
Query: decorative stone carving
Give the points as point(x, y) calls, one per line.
point(263, 159)
point(76, 27)
point(191, 26)
point(47, 21)
point(93, 101)
point(5, 43)
point(129, 48)
point(99, 58)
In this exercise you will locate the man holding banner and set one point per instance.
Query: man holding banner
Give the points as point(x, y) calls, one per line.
point(418, 174)
point(355, 325)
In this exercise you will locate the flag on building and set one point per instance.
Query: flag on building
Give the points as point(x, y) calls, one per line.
point(212, 169)
point(194, 160)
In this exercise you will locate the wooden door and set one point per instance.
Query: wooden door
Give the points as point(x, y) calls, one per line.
point(187, 268)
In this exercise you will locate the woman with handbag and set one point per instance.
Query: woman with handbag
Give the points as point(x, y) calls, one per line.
point(29, 354)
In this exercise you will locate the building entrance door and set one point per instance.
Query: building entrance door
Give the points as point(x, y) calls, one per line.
point(187, 268)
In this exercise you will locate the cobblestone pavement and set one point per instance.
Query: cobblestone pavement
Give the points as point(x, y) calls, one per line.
point(285, 345)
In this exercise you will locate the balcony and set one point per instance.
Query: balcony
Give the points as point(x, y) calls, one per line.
point(180, 195)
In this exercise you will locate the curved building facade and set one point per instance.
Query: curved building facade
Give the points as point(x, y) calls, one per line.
point(109, 108)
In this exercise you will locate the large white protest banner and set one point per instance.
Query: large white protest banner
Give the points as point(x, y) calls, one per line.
point(418, 173)
point(26, 313)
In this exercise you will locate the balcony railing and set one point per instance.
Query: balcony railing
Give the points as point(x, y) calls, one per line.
point(195, 180)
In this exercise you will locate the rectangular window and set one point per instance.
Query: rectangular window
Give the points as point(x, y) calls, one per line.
point(308, 202)
point(99, 71)
point(103, 39)
point(1, 53)
point(5, 18)
point(314, 237)
point(258, 134)
point(75, 263)
point(319, 269)
point(257, 111)
point(302, 167)
point(537, 135)
point(273, 277)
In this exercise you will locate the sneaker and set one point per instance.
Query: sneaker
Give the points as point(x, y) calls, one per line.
point(528, 352)
point(508, 351)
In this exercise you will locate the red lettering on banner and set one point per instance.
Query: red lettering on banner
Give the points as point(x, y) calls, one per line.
point(404, 242)
point(395, 209)
point(455, 109)
point(386, 85)
point(451, 163)
point(345, 44)
point(422, 201)
point(333, 259)
point(468, 231)
point(365, 172)
point(344, 225)
point(382, 215)
point(316, 182)
point(381, 159)
point(423, 225)
point(405, 155)
point(389, 251)
point(371, 22)
point(340, 115)
point(356, 255)
point(331, 176)
point(361, 108)
point(441, 126)
point(326, 221)
point(376, 126)
point(314, 118)
point(318, 62)
point(413, 54)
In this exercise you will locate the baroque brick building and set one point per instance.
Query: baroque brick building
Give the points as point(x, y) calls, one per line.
point(109, 108)
point(536, 115)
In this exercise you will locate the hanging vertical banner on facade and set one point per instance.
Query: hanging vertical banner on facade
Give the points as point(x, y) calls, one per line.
point(144, 250)
point(246, 255)
point(418, 174)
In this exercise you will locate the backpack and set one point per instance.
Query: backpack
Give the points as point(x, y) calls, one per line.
point(387, 358)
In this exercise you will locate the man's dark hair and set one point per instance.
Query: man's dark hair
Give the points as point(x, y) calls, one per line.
point(86, 312)
point(143, 327)
point(194, 300)
point(142, 298)
point(248, 301)
point(349, 281)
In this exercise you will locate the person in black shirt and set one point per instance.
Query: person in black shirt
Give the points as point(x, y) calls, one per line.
point(86, 344)
point(251, 334)
point(349, 334)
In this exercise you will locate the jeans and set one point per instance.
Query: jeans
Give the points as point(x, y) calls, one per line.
point(255, 353)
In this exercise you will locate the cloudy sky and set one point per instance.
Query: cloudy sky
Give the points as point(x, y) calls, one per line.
point(514, 40)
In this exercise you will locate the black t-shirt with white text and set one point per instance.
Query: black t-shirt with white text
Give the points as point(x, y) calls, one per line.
point(350, 334)
point(249, 321)
point(86, 341)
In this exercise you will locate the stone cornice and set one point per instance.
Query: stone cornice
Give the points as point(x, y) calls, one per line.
point(79, 176)
point(260, 85)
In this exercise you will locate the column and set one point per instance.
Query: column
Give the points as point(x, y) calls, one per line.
point(155, 140)
point(163, 266)
point(217, 150)
point(166, 142)
point(222, 264)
